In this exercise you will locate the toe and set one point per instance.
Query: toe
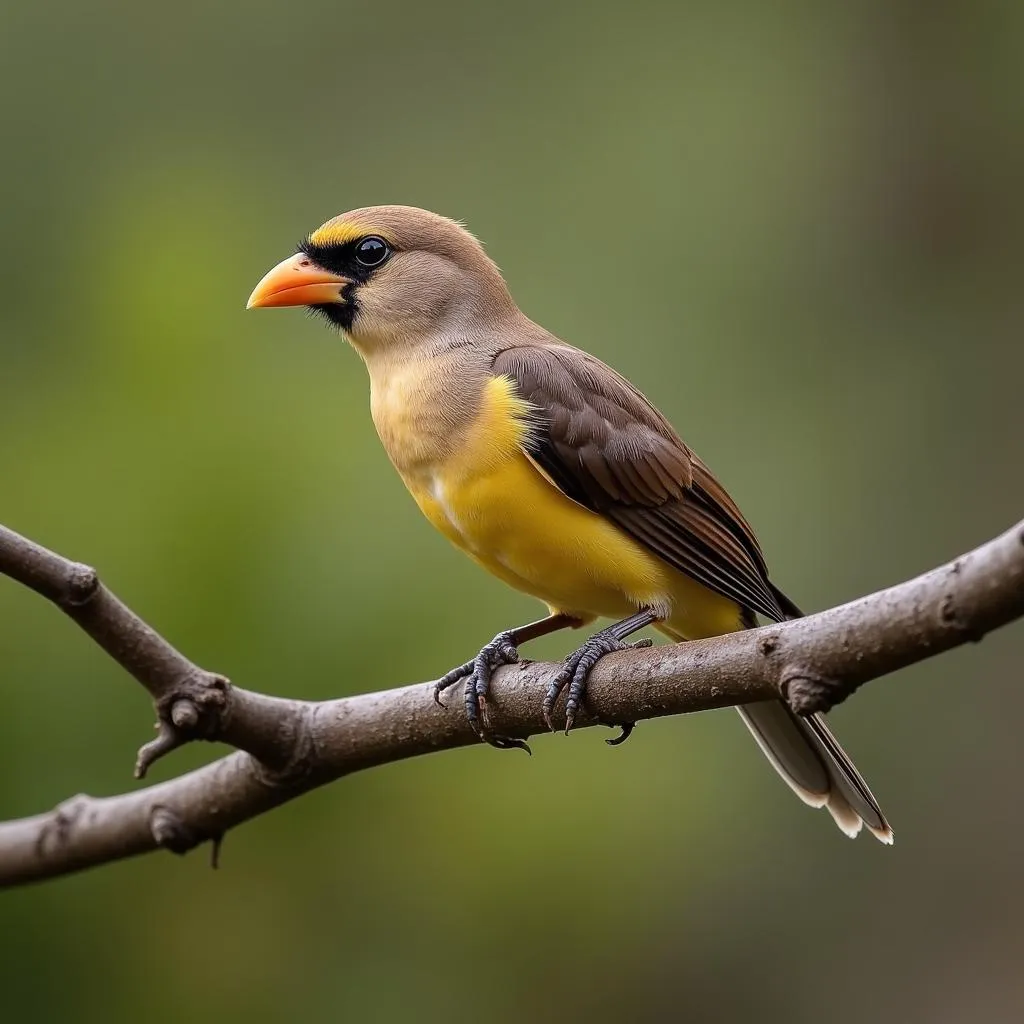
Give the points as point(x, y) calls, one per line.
point(449, 679)
point(509, 654)
point(627, 728)
point(509, 743)
point(555, 687)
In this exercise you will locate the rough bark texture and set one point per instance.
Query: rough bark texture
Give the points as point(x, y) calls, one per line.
point(287, 747)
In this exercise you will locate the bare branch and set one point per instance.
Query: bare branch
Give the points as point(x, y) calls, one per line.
point(288, 747)
point(190, 702)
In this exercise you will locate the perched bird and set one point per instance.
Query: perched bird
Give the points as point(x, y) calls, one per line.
point(550, 470)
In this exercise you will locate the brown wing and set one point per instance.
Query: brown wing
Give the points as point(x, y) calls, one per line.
point(605, 446)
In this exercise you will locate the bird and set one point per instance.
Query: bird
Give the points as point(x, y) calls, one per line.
point(551, 471)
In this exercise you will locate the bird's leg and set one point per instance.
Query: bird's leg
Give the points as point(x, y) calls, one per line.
point(580, 663)
point(502, 650)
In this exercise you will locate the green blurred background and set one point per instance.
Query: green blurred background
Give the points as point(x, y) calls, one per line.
point(798, 227)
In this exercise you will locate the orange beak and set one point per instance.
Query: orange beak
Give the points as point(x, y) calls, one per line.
point(297, 281)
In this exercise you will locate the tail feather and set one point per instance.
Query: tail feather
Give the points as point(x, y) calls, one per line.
point(809, 758)
point(787, 749)
point(778, 730)
point(850, 781)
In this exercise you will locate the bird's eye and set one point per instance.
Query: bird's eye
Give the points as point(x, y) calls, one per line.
point(372, 251)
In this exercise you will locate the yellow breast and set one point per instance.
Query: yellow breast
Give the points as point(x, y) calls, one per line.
point(488, 497)
point(491, 501)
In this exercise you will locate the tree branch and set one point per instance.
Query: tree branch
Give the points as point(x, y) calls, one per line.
point(190, 702)
point(287, 747)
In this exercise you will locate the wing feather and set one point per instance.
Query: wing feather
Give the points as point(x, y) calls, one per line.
point(603, 444)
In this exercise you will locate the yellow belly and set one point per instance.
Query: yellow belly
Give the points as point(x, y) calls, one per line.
point(524, 531)
point(492, 502)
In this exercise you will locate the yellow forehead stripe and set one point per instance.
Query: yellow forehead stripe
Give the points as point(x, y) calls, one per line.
point(340, 232)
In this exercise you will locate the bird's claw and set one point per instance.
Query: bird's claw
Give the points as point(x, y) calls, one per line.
point(508, 743)
point(448, 680)
point(626, 731)
point(575, 672)
point(502, 650)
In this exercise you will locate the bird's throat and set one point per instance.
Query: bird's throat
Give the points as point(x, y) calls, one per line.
point(423, 406)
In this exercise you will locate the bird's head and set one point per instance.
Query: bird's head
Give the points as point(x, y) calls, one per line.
point(390, 275)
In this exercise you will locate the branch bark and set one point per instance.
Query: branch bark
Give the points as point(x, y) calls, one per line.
point(190, 702)
point(288, 747)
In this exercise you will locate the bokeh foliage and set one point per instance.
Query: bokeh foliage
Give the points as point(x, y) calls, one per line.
point(798, 227)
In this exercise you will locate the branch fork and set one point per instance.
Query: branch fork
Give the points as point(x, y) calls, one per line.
point(192, 710)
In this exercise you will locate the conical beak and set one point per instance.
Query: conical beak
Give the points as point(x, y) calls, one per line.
point(297, 281)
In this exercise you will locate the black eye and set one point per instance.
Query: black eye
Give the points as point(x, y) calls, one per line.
point(372, 251)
